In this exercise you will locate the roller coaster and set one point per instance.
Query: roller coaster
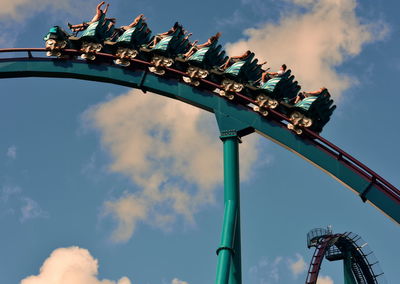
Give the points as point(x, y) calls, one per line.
point(359, 263)
point(242, 103)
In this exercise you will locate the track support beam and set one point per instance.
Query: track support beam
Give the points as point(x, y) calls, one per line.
point(348, 274)
point(229, 267)
point(229, 252)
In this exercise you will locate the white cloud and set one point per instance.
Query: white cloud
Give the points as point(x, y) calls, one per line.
point(70, 265)
point(297, 266)
point(31, 210)
point(14, 200)
point(170, 150)
point(324, 280)
point(12, 152)
point(15, 14)
point(20, 9)
point(177, 281)
point(266, 271)
point(277, 270)
point(313, 43)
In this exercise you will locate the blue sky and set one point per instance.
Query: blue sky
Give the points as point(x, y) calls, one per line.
point(88, 171)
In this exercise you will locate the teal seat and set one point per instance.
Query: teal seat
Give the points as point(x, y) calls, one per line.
point(98, 31)
point(208, 57)
point(271, 84)
point(56, 33)
point(235, 68)
point(318, 108)
point(163, 44)
point(173, 44)
point(91, 30)
point(245, 71)
point(306, 103)
point(199, 55)
point(127, 35)
point(135, 36)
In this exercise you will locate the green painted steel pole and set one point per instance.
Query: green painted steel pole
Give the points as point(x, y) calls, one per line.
point(348, 273)
point(229, 252)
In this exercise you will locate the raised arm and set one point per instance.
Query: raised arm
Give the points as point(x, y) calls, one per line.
point(106, 8)
point(318, 92)
point(244, 55)
point(98, 8)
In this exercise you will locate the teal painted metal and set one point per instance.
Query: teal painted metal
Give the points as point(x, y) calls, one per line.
point(229, 252)
point(348, 274)
point(208, 101)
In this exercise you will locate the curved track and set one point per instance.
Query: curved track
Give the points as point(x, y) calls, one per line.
point(310, 146)
point(349, 247)
point(318, 257)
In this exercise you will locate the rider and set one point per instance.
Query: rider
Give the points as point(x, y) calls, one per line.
point(134, 23)
point(231, 60)
point(268, 75)
point(96, 17)
point(159, 37)
point(304, 95)
point(195, 47)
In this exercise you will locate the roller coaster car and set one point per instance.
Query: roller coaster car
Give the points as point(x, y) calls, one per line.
point(277, 89)
point(56, 40)
point(198, 65)
point(234, 78)
point(128, 43)
point(166, 49)
point(312, 112)
point(92, 38)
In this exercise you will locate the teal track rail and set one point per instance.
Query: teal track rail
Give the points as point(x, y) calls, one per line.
point(371, 187)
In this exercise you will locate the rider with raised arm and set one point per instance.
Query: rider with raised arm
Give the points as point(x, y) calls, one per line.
point(159, 37)
point(195, 47)
point(96, 17)
point(134, 23)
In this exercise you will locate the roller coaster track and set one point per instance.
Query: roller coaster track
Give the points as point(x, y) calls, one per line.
point(370, 186)
point(318, 257)
point(350, 248)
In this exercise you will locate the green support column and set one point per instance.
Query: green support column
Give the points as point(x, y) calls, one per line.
point(348, 273)
point(229, 252)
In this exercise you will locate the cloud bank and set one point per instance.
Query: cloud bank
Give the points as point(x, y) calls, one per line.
point(324, 280)
point(17, 10)
point(313, 38)
point(266, 271)
point(297, 266)
point(15, 14)
point(278, 270)
point(177, 281)
point(170, 150)
point(70, 265)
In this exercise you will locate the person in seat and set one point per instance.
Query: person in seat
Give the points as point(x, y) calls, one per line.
point(301, 96)
point(96, 17)
point(268, 75)
point(195, 47)
point(134, 23)
point(159, 37)
point(233, 59)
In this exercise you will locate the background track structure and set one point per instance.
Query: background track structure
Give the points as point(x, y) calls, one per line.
point(359, 263)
